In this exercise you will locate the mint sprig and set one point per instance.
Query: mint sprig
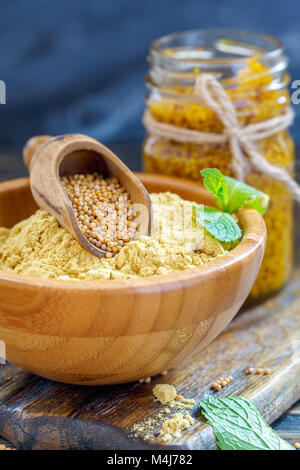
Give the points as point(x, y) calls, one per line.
point(220, 225)
point(238, 425)
point(231, 195)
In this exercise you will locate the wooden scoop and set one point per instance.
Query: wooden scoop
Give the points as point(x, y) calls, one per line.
point(49, 158)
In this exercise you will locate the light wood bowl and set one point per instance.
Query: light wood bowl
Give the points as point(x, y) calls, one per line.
point(109, 332)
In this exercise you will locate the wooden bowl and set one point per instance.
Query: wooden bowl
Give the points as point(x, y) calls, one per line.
point(109, 332)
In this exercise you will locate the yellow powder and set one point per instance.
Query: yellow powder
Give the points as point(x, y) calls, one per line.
point(164, 393)
point(172, 427)
point(4, 447)
point(165, 427)
point(39, 246)
point(167, 395)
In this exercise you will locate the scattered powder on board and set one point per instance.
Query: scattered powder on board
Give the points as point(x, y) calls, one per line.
point(171, 428)
point(164, 425)
point(164, 393)
point(167, 395)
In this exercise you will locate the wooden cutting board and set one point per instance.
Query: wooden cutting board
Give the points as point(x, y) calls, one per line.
point(40, 414)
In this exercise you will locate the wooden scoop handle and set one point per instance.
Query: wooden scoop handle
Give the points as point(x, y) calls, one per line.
point(32, 147)
point(48, 158)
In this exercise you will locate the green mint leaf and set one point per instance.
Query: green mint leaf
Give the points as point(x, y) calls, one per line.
point(238, 425)
point(231, 194)
point(243, 195)
point(219, 224)
point(215, 183)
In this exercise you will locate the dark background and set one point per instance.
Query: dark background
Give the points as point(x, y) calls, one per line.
point(79, 66)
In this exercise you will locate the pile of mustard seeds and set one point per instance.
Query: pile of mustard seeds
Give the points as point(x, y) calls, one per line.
point(103, 210)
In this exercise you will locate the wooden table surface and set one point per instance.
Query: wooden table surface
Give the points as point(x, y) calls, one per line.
point(11, 166)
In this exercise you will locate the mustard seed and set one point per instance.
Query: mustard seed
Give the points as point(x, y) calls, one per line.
point(102, 208)
point(221, 383)
point(217, 387)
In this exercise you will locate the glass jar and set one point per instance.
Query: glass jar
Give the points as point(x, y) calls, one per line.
point(252, 69)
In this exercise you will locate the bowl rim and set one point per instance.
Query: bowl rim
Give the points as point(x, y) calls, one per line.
point(254, 239)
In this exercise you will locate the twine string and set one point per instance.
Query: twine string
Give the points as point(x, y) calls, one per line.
point(242, 139)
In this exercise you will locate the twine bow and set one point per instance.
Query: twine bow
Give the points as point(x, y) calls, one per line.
point(242, 139)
